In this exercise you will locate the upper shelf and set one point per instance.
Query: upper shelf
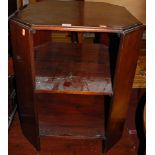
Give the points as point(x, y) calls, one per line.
point(76, 16)
point(72, 69)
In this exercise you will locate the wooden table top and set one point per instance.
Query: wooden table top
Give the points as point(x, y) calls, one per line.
point(67, 15)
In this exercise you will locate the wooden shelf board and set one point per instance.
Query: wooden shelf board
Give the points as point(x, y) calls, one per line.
point(72, 133)
point(65, 126)
point(72, 68)
point(71, 116)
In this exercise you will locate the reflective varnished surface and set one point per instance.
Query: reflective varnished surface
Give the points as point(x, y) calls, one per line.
point(73, 68)
point(74, 61)
point(76, 14)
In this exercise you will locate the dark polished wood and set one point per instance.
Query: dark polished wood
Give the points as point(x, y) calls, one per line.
point(123, 80)
point(64, 67)
point(19, 145)
point(71, 116)
point(10, 66)
point(69, 109)
point(77, 15)
point(41, 37)
point(23, 62)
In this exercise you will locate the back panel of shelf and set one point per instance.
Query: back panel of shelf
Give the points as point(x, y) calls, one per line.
point(71, 116)
point(71, 81)
point(72, 68)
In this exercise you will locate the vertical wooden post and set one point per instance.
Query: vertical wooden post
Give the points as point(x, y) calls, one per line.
point(23, 56)
point(122, 85)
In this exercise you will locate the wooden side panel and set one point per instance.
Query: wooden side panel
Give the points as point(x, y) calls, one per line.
point(10, 66)
point(23, 62)
point(123, 80)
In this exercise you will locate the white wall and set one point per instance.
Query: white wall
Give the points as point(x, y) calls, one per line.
point(136, 7)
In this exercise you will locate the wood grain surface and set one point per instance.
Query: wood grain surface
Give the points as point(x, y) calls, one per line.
point(81, 72)
point(24, 69)
point(75, 15)
point(73, 68)
point(18, 144)
point(71, 116)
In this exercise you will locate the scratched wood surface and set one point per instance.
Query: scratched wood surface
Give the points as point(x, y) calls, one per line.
point(19, 145)
point(71, 116)
point(72, 68)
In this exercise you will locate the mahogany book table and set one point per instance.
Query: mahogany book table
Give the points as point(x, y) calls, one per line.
point(74, 90)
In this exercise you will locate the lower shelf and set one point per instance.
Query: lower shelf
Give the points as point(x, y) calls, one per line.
point(63, 129)
point(65, 146)
point(71, 116)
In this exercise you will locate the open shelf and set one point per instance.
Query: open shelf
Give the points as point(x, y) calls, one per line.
point(60, 129)
point(73, 69)
point(71, 116)
point(63, 89)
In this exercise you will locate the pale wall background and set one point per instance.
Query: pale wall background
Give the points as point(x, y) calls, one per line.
point(136, 7)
